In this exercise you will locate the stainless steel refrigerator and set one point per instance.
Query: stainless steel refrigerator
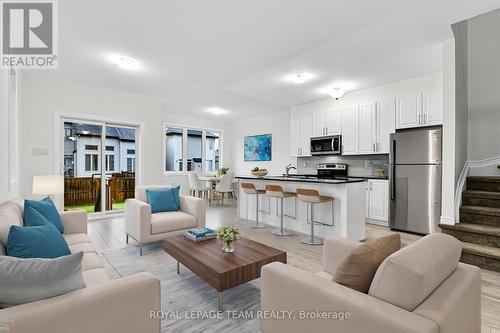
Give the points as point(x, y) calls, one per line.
point(415, 180)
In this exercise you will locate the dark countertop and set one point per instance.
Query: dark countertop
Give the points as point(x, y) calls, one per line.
point(371, 177)
point(304, 179)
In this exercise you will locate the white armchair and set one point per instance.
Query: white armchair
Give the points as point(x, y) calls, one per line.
point(145, 227)
point(421, 288)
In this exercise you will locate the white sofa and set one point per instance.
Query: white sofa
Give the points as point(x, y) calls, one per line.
point(145, 227)
point(421, 288)
point(104, 305)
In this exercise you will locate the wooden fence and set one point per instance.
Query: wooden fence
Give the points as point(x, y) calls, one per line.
point(85, 190)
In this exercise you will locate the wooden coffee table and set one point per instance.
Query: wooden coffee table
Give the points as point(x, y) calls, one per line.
point(219, 269)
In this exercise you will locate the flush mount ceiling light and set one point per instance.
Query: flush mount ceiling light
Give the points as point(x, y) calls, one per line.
point(298, 78)
point(336, 92)
point(125, 62)
point(216, 111)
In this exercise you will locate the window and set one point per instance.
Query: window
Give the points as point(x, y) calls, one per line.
point(130, 151)
point(189, 149)
point(110, 148)
point(110, 162)
point(194, 140)
point(130, 164)
point(173, 149)
point(68, 132)
point(91, 147)
point(212, 151)
point(91, 162)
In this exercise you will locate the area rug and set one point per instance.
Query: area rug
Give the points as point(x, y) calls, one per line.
point(189, 303)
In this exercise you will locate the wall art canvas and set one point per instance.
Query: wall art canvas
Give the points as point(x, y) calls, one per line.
point(258, 147)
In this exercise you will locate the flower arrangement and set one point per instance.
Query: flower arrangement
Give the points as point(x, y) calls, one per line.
point(222, 171)
point(229, 235)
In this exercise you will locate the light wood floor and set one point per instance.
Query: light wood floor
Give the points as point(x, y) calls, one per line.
point(108, 234)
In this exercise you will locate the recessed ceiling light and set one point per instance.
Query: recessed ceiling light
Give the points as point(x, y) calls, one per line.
point(298, 78)
point(125, 62)
point(85, 132)
point(216, 111)
point(336, 92)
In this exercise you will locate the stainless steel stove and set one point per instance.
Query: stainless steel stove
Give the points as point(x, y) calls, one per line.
point(332, 170)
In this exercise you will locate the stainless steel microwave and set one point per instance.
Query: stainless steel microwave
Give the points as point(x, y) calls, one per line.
point(326, 145)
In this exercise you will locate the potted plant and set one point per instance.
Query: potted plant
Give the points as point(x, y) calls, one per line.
point(222, 171)
point(229, 235)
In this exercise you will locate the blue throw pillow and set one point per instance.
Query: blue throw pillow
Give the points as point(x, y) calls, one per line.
point(163, 200)
point(40, 241)
point(47, 209)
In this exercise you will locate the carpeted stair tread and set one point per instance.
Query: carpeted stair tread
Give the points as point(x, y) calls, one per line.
point(481, 250)
point(481, 194)
point(473, 228)
point(486, 179)
point(492, 211)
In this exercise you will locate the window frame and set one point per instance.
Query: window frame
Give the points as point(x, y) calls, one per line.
point(185, 129)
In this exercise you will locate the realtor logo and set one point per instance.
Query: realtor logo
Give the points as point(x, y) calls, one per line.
point(29, 34)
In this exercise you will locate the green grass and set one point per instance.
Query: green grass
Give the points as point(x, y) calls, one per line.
point(90, 208)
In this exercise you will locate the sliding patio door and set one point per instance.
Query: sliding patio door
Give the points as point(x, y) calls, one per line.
point(99, 165)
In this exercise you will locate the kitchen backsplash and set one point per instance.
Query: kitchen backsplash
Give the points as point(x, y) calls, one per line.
point(358, 165)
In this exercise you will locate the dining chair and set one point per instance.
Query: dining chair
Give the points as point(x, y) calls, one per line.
point(196, 186)
point(225, 185)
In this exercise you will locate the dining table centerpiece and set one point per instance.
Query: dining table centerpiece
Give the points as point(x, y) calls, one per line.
point(229, 235)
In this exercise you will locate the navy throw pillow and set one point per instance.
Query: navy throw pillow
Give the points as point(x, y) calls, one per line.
point(47, 209)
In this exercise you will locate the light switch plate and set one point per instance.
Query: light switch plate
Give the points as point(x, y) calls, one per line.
point(40, 152)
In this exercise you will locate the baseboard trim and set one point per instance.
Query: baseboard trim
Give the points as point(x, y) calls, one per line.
point(447, 220)
point(461, 183)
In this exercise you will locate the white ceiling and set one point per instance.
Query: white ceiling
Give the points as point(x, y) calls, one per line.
point(234, 54)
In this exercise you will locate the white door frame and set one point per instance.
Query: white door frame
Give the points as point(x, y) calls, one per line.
point(60, 117)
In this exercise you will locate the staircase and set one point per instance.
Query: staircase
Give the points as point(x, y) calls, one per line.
point(479, 227)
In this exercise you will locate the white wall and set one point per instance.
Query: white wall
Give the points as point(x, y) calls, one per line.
point(449, 170)
point(4, 142)
point(43, 96)
point(279, 124)
point(483, 62)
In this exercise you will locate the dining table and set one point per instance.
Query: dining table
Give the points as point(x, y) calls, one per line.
point(212, 182)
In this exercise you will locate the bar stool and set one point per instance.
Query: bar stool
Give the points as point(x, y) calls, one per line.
point(277, 192)
point(312, 197)
point(249, 188)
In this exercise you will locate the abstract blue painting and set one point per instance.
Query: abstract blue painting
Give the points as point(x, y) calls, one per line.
point(258, 147)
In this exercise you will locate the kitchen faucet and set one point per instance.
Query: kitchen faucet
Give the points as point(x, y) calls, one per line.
point(288, 168)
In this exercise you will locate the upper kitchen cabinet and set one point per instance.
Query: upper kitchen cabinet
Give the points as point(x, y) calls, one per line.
point(408, 111)
point(423, 109)
point(319, 123)
point(385, 114)
point(295, 141)
point(350, 144)
point(367, 129)
point(301, 129)
point(432, 108)
point(334, 122)
point(326, 123)
point(306, 130)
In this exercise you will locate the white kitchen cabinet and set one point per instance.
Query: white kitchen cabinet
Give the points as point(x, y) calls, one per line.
point(301, 127)
point(367, 128)
point(422, 109)
point(350, 128)
point(408, 111)
point(378, 200)
point(295, 141)
point(385, 125)
point(334, 122)
point(306, 131)
point(432, 108)
point(326, 123)
point(319, 124)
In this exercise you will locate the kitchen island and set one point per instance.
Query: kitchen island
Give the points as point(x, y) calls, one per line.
point(349, 207)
